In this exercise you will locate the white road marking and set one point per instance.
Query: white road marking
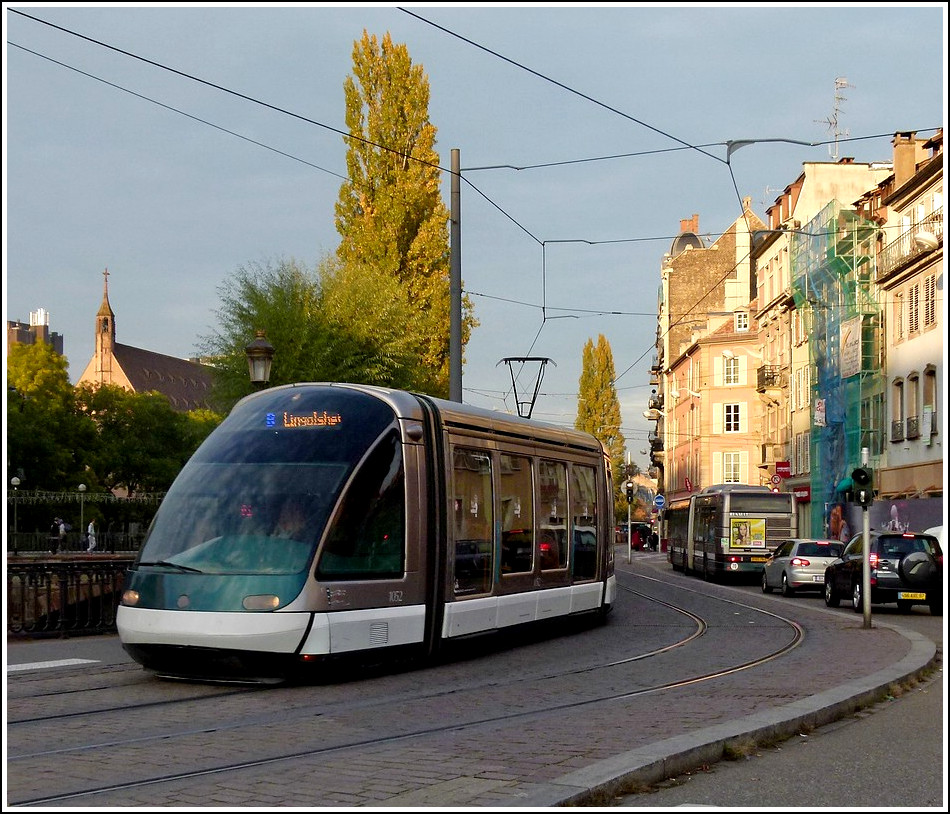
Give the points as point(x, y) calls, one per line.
point(43, 665)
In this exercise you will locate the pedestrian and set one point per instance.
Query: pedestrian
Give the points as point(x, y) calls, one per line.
point(62, 535)
point(54, 535)
point(91, 536)
point(636, 542)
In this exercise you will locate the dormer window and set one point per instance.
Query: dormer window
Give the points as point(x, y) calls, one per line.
point(741, 321)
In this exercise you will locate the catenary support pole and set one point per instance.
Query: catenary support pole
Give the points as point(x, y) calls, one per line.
point(455, 287)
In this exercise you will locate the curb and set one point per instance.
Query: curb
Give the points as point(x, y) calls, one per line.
point(651, 764)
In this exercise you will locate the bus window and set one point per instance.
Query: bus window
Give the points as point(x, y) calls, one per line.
point(472, 521)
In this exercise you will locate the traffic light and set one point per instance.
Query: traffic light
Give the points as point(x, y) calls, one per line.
point(862, 488)
point(629, 486)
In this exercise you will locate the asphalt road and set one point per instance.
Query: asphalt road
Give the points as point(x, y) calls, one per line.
point(893, 754)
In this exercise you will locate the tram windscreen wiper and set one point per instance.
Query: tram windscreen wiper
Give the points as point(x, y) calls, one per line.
point(167, 564)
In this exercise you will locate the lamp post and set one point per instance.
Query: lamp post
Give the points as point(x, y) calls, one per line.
point(260, 355)
point(14, 482)
point(82, 506)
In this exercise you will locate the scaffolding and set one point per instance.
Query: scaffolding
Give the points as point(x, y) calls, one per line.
point(832, 265)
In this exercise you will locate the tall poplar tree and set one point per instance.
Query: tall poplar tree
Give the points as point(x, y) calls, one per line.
point(598, 408)
point(390, 215)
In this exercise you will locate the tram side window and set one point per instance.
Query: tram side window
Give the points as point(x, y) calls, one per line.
point(367, 538)
point(552, 513)
point(517, 514)
point(584, 521)
point(472, 521)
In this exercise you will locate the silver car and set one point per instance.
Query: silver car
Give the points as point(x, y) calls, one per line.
point(799, 565)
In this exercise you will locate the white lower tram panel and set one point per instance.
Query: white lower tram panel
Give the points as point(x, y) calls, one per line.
point(350, 631)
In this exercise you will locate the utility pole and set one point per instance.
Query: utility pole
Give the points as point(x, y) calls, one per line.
point(455, 287)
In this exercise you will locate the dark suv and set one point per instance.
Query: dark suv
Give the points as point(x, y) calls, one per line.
point(906, 568)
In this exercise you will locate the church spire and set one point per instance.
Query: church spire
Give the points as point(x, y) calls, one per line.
point(105, 334)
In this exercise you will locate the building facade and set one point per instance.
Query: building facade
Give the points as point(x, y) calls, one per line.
point(819, 351)
point(37, 330)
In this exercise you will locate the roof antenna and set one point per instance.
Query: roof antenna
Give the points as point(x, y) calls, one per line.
point(841, 83)
point(526, 407)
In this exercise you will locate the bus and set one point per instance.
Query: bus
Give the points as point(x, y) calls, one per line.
point(322, 520)
point(729, 528)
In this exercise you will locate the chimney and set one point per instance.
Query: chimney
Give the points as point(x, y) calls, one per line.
point(907, 152)
point(690, 225)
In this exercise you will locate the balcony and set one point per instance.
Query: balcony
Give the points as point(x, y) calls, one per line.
point(897, 430)
point(906, 248)
point(768, 377)
point(913, 427)
point(655, 403)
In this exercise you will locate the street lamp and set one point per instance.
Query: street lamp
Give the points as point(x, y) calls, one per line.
point(14, 482)
point(82, 515)
point(260, 355)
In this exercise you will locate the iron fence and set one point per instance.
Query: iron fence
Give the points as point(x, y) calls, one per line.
point(64, 597)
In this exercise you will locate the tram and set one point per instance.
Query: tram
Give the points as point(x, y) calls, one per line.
point(324, 519)
point(728, 528)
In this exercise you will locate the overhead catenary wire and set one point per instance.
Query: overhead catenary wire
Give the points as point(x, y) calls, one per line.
point(544, 306)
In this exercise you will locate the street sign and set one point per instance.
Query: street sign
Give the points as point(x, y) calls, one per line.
point(776, 480)
point(659, 501)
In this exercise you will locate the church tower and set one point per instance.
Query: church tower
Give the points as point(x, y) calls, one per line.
point(105, 335)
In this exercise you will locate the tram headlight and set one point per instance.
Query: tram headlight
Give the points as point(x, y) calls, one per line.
point(130, 597)
point(261, 602)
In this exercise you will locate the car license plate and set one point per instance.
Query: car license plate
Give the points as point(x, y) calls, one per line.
point(818, 578)
point(911, 595)
point(760, 559)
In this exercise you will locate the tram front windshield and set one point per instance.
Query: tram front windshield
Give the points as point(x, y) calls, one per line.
point(259, 492)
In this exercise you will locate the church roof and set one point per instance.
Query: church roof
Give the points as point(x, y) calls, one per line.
point(186, 384)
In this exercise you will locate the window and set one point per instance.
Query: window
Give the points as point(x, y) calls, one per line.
point(472, 521)
point(584, 521)
point(913, 305)
point(742, 321)
point(552, 514)
point(899, 316)
point(517, 515)
point(731, 467)
point(897, 410)
point(367, 538)
point(731, 416)
point(930, 300)
point(730, 370)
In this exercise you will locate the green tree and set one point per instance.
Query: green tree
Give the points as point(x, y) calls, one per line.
point(142, 442)
point(282, 298)
point(390, 215)
point(598, 410)
point(47, 437)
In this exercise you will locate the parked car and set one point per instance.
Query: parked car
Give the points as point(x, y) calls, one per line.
point(906, 568)
point(799, 565)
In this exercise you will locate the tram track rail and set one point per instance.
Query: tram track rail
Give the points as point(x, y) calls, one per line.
point(553, 703)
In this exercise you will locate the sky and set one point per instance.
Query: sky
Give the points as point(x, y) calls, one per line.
point(173, 144)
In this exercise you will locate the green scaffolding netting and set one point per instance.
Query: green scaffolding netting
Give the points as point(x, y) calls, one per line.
point(832, 263)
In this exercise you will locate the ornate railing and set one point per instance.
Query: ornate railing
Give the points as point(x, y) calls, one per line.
point(47, 597)
point(906, 247)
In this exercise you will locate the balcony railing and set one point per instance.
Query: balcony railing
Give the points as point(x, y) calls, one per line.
point(905, 247)
point(768, 377)
point(897, 430)
point(913, 427)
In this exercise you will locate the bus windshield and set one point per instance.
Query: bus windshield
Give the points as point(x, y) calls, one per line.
point(258, 493)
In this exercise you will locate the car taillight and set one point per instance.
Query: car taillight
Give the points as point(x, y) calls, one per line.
point(798, 561)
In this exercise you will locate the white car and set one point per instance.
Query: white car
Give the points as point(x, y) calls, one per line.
point(799, 565)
